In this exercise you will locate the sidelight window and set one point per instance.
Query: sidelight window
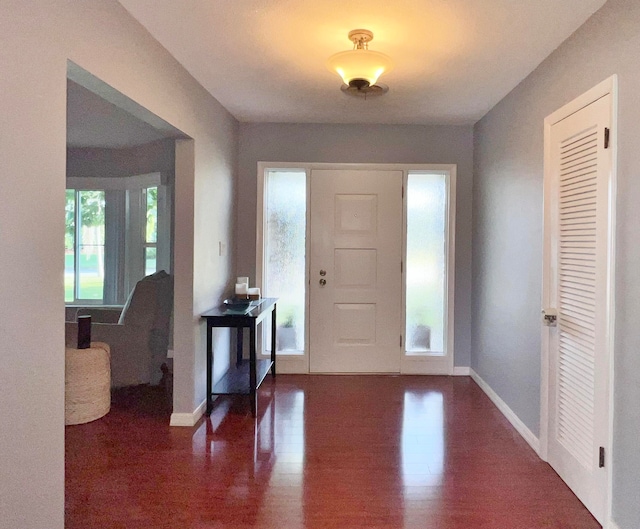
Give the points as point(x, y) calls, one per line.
point(285, 204)
point(426, 273)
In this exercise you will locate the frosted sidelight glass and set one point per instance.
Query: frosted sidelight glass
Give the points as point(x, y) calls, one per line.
point(426, 263)
point(284, 258)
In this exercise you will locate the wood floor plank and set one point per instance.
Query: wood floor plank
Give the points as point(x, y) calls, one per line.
point(324, 452)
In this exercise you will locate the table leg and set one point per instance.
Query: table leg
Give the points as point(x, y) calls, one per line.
point(253, 395)
point(209, 368)
point(273, 342)
point(239, 342)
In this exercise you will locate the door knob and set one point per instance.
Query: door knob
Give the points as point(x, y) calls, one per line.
point(323, 273)
point(323, 282)
point(549, 317)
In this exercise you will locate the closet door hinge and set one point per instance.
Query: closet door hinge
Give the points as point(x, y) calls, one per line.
point(601, 458)
point(607, 133)
point(401, 340)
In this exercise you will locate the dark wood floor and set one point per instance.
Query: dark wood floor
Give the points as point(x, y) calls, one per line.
point(325, 452)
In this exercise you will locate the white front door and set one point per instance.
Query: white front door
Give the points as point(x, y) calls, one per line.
point(355, 291)
point(578, 233)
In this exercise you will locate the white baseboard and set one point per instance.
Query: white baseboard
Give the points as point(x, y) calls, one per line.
point(612, 525)
point(188, 419)
point(461, 371)
point(291, 364)
point(515, 421)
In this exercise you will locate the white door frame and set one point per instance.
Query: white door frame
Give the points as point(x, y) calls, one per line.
point(608, 86)
point(409, 364)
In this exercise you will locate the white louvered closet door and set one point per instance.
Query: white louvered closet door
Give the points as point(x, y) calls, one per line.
point(579, 291)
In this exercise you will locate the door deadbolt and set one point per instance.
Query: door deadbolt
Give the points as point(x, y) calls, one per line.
point(323, 282)
point(323, 273)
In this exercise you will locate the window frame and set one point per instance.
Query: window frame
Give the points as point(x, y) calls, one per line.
point(76, 253)
point(133, 213)
point(145, 243)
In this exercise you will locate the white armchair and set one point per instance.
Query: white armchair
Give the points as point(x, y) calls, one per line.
point(140, 339)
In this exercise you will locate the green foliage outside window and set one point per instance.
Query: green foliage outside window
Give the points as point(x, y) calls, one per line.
point(152, 215)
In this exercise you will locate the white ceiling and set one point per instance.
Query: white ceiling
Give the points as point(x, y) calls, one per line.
point(264, 60)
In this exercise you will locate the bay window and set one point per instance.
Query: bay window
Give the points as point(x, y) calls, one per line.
point(117, 231)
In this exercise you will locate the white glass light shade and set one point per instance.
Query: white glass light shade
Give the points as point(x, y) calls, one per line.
point(359, 64)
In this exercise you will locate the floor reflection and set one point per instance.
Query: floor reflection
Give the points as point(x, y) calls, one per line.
point(423, 449)
point(271, 446)
point(422, 454)
point(287, 478)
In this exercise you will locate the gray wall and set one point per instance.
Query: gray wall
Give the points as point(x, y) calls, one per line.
point(507, 244)
point(95, 162)
point(328, 143)
point(37, 40)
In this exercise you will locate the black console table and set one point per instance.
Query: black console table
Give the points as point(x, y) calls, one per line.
point(245, 377)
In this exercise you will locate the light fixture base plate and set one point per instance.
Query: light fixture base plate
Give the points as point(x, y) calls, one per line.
point(362, 36)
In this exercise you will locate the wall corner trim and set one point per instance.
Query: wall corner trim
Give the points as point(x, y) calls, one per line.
point(461, 371)
point(515, 421)
point(188, 419)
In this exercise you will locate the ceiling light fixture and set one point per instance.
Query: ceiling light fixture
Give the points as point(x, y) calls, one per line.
point(360, 67)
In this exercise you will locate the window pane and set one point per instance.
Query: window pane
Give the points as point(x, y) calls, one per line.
point(91, 245)
point(69, 245)
point(426, 244)
point(151, 232)
point(149, 260)
point(285, 226)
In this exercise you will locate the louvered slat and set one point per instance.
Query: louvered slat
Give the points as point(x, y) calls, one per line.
point(576, 411)
point(578, 165)
point(578, 309)
point(576, 353)
point(580, 185)
point(576, 292)
point(584, 344)
point(583, 272)
point(585, 301)
point(578, 268)
point(576, 282)
point(581, 199)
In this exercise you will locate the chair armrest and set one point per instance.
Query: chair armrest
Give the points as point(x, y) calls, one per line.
point(101, 314)
point(111, 333)
point(130, 354)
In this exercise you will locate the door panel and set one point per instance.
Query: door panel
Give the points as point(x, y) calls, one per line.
point(579, 291)
point(356, 268)
point(356, 247)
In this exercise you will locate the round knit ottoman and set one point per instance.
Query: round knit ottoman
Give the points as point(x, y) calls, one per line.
point(87, 386)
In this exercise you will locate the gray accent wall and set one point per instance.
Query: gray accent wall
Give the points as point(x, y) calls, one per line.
point(99, 37)
point(98, 162)
point(507, 233)
point(330, 143)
